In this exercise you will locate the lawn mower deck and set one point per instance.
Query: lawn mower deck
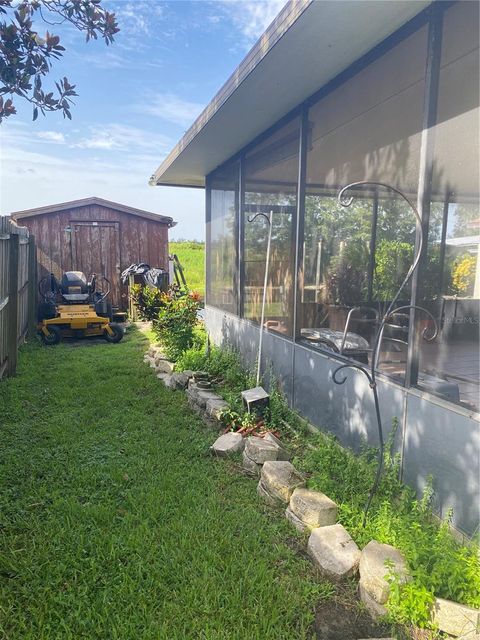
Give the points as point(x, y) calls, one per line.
point(74, 308)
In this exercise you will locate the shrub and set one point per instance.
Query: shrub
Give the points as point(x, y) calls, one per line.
point(392, 261)
point(346, 280)
point(147, 300)
point(195, 357)
point(463, 274)
point(175, 323)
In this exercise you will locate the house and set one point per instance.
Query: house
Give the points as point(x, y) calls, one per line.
point(335, 93)
point(96, 236)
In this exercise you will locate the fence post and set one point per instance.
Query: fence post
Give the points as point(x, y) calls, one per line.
point(32, 287)
point(12, 335)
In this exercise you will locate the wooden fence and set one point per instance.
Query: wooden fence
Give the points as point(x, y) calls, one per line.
point(18, 290)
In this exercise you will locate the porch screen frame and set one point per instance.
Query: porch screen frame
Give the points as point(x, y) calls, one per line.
point(432, 17)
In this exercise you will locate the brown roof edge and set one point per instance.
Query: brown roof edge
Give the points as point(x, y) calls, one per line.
point(85, 202)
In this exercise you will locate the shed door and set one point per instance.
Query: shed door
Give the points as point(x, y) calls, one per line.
point(96, 249)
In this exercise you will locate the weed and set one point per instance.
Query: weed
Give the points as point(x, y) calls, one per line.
point(439, 565)
point(175, 323)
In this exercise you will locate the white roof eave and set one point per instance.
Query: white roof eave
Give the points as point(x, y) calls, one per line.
point(307, 45)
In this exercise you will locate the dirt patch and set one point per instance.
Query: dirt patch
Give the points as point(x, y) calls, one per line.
point(336, 620)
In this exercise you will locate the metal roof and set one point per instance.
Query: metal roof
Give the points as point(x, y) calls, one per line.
point(86, 202)
point(307, 45)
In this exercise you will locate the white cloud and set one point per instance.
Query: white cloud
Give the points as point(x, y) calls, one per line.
point(171, 108)
point(252, 17)
point(52, 136)
point(119, 137)
point(137, 17)
point(107, 60)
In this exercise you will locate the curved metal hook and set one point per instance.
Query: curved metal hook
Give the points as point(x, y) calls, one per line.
point(351, 366)
point(346, 202)
point(370, 374)
point(426, 312)
point(253, 218)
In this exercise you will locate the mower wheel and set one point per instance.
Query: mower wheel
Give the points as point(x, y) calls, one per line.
point(117, 333)
point(54, 337)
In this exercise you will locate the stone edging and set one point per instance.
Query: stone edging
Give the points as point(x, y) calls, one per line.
point(330, 547)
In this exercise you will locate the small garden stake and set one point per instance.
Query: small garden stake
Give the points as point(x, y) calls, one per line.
point(258, 398)
point(370, 373)
point(268, 218)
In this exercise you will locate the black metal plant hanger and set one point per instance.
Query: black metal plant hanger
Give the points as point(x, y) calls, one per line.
point(370, 373)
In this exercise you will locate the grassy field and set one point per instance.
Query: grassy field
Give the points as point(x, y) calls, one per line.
point(117, 524)
point(192, 259)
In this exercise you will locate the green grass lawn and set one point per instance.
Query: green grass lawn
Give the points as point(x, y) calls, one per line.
point(192, 259)
point(116, 523)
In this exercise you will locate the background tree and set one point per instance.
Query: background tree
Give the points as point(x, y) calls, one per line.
point(26, 56)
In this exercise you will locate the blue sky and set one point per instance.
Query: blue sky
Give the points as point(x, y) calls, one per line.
point(136, 99)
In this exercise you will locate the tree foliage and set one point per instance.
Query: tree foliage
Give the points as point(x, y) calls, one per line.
point(26, 56)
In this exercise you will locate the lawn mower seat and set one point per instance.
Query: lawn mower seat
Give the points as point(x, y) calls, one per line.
point(74, 287)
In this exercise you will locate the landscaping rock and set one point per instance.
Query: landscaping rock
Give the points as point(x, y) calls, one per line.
point(456, 619)
point(260, 450)
point(227, 444)
point(375, 610)
point(333, 551)
point(282, 453)
point(203, 396)
point(297, 523)
point(180, 380)
point(169, 381)
point(249, 465)
point(279, 479)
point(164, 377)
point(266, 496)
point(164, 366)
point(214, 408)
point(313, 508)
point(373, 570)
point(192, 390)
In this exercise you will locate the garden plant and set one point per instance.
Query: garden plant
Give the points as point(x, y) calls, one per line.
point(439, 564)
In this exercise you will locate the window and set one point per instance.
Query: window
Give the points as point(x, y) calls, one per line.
point(221, 250)
point(354, 258)
point(450, 284)
point(271, 177)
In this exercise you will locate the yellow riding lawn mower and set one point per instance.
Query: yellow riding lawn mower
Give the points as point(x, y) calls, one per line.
point(75, 308)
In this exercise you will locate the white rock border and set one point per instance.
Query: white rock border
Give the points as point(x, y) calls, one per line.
point(449, 617)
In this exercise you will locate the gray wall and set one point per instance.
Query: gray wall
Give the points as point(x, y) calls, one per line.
point(434, 437)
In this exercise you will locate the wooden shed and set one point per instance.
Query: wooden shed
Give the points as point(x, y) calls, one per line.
point(96, 236)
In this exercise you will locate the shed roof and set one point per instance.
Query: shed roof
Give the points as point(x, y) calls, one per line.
point(307, 45)
point(86, 202)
